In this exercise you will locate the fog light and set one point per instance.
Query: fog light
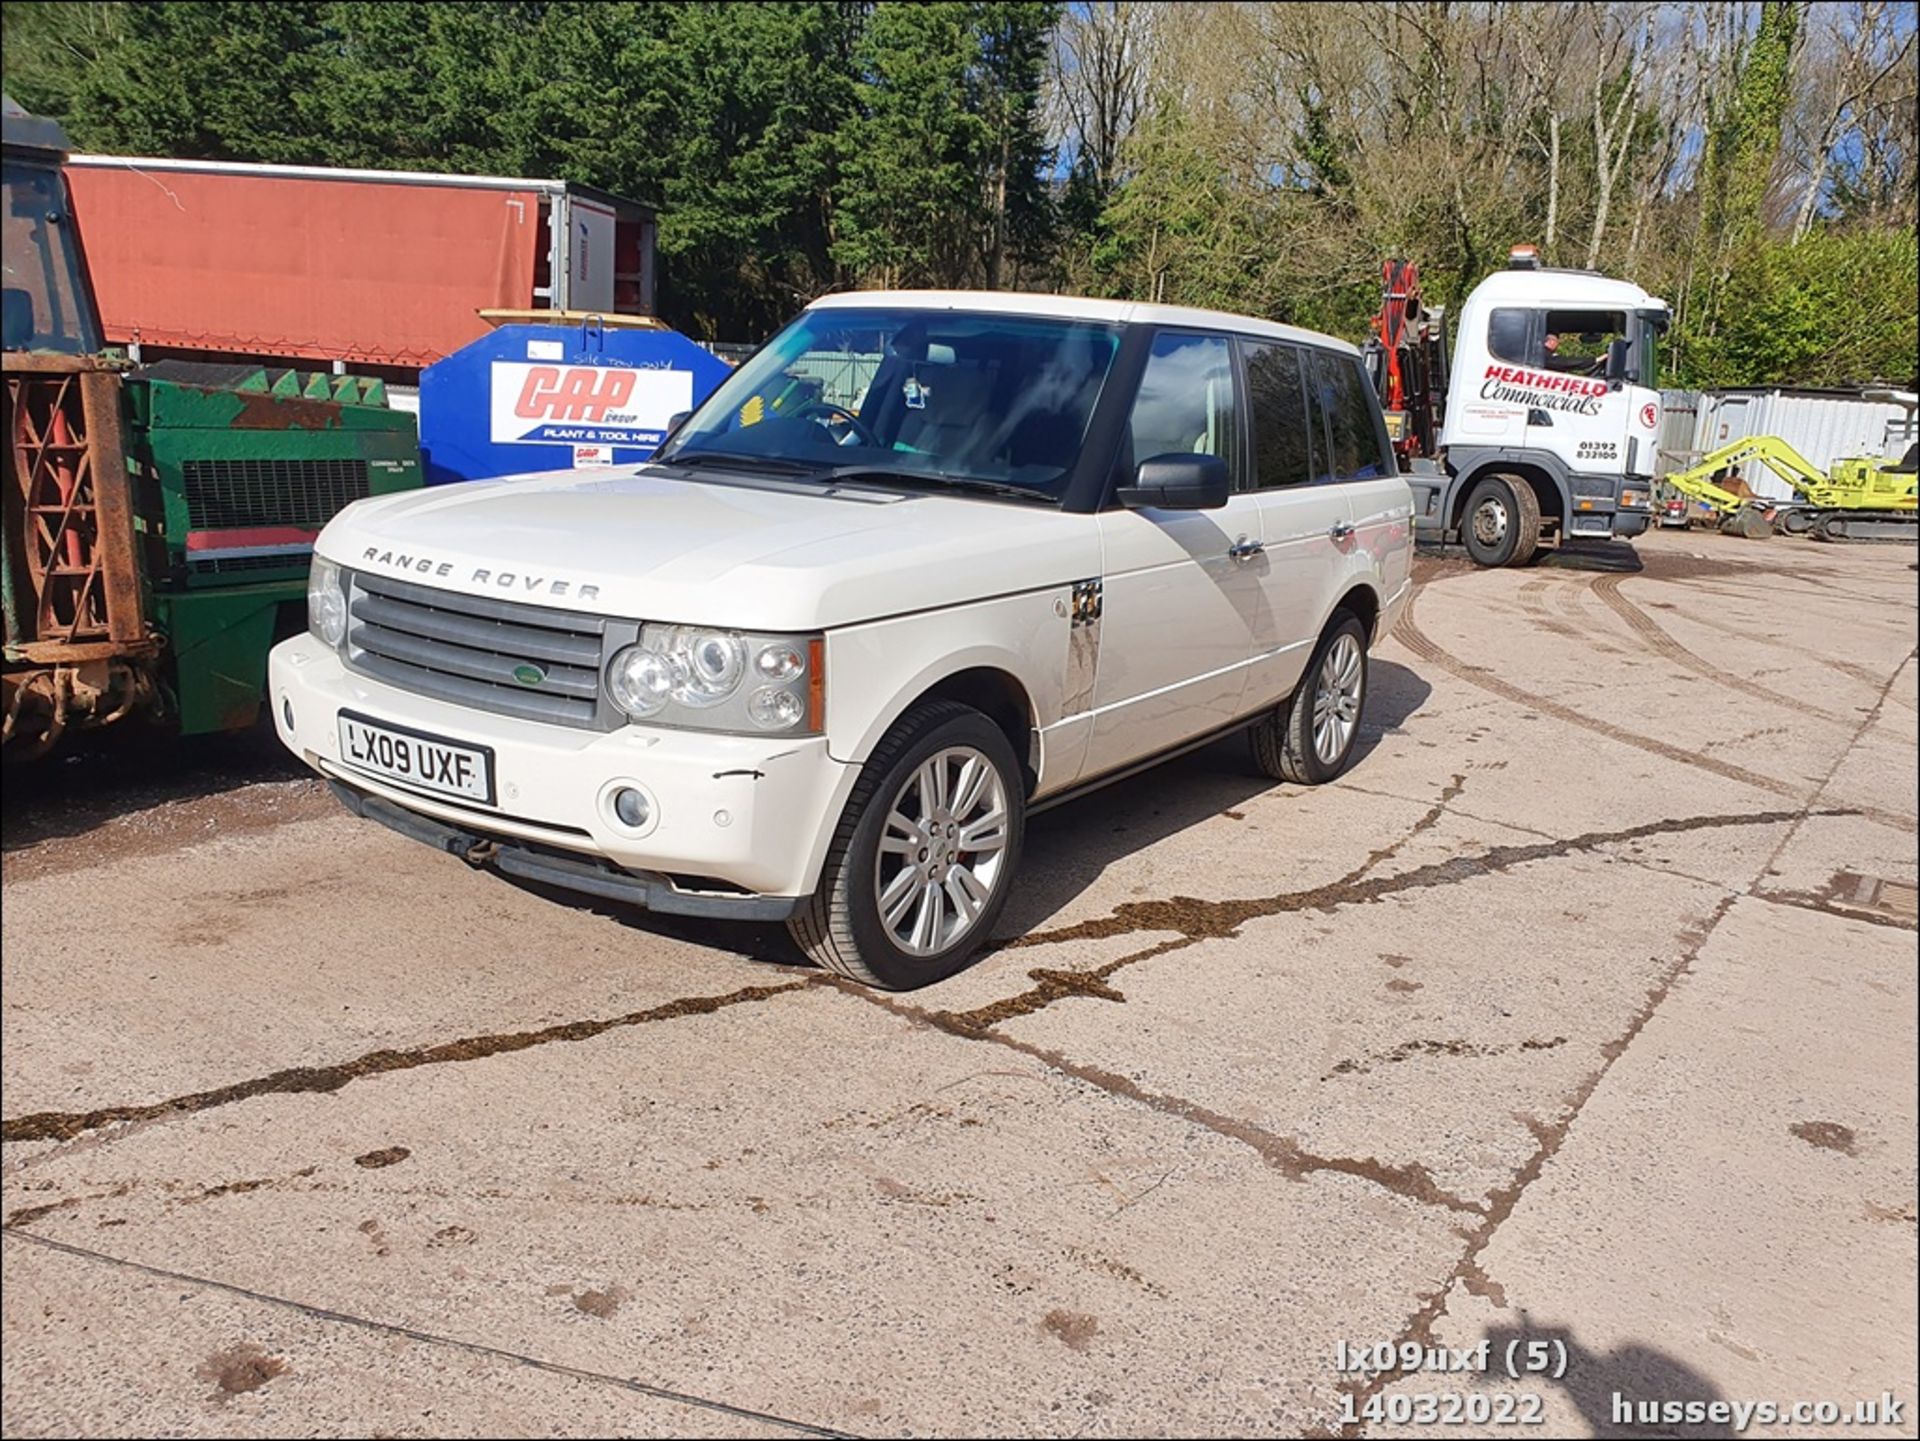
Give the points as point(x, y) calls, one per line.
point(286, 712)
point(630, 808)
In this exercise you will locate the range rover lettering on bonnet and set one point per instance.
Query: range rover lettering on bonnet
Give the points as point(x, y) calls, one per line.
point(516, 581)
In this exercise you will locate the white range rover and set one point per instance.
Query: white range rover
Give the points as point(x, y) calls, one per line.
point(926, 563)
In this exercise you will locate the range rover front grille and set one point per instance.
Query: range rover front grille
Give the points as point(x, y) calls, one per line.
point(493, 655)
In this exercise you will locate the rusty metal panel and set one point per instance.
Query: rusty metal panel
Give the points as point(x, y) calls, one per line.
point(117, 549)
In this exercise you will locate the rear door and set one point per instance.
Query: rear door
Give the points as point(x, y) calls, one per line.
point(1306, 521)
point(1177, 609)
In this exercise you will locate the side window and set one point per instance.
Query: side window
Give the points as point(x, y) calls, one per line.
point(1508, 337)
point(1277, 394)
point(1185, 401)
point(1576, 341)
point(1362, 405)
point(1354, 436)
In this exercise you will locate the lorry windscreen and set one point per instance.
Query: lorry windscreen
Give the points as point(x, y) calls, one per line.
point(938, 395)
point(44, 304)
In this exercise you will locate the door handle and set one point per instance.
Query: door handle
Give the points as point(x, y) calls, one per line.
point(1341, 530)
point(1244, 549)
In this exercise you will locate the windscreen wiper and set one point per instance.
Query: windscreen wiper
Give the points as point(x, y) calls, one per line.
point(920, 479)
point(770, 464)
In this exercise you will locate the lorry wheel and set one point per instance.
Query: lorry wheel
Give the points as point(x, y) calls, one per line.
point(1309, 737)
point(922, 861)
point(1502, 523)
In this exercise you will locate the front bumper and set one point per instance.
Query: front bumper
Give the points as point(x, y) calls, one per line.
point(735, 820)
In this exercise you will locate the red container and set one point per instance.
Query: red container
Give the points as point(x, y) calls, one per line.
point(365, 267)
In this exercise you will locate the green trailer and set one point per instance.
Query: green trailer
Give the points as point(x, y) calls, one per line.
point(242, 469)
point(158, 521)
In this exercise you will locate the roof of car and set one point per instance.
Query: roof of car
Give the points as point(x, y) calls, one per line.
point(1076, 307)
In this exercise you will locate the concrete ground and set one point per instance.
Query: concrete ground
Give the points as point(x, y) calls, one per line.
point(1578, 1016)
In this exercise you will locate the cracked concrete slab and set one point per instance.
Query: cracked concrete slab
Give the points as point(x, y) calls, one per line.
point(1579, 1009)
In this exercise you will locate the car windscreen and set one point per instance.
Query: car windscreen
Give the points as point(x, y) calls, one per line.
point(939, 394)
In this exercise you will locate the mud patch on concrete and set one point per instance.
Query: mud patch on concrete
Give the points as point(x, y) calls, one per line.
point(238, 1369)
point(1075, 1328)
point(390, 1156)
point(1827, 1136)
point(1479, 1283)
point(1408, 1050)
point(600, 1304)
point(1404, 988)
point(1874, 1211)
point(65, 1125)
point(27, 1215)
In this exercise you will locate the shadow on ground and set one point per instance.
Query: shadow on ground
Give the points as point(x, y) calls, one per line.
point(1068, 849)
point(126, 770)
point(1637, 1375)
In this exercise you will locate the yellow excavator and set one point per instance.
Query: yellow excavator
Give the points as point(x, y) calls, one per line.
point(1861, 498)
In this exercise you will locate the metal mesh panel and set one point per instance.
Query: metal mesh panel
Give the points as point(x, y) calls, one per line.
point(225, 494)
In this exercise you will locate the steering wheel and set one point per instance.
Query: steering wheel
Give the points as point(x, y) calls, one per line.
point(827, 413)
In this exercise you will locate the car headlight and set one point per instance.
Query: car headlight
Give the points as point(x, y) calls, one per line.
point(326, 603)
point(722, 680)
point(1633, 499)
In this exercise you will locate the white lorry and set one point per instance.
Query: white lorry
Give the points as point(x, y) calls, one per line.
point(925, 563)
point(1551, 414)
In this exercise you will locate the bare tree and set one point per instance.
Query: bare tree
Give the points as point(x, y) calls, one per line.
point(1099, 81)
point(1849, 73)
point(1624, 40)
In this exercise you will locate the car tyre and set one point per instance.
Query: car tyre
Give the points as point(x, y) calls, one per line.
point(1501, 525)
point(903, 899)
point(1309, 737)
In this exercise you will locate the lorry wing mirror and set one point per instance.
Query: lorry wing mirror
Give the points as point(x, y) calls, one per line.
point(674, 422)
point(1177, 481)
point(1617, 363)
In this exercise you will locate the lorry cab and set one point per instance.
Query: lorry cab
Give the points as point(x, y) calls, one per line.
point(1551, 406)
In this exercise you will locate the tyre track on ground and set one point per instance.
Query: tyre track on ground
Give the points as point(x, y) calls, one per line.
point(1853, 670)
point(1409, 634)
point(1607, 588)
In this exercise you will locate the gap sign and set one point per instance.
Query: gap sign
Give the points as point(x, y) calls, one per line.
point(527, 398)
point(584, 404)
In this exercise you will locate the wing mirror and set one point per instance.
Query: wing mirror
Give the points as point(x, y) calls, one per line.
point(1177, 482)
point(1617, 364)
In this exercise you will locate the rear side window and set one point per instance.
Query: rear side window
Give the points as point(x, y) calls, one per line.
point(1355, 437)
point(1510, 337)
point(1185, 402)
point(1283, 450)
